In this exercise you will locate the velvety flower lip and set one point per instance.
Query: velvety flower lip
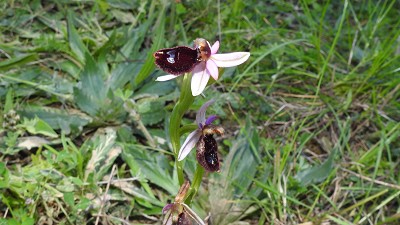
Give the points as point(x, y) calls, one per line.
point(208, 66)
point(194, 137)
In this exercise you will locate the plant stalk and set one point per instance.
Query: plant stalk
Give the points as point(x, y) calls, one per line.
point(185, 101)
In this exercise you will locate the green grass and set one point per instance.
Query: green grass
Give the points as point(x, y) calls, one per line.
point(312, 119)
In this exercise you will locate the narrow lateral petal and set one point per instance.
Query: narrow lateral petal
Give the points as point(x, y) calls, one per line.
point(189, 144)
point(211, 119)
point(212, 69)
point(201, 114)
point(167, 208)
point(200, 78)
point(230, 59)
point(215, 47)
point(166, 77)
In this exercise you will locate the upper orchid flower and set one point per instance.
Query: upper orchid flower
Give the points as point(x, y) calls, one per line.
point(178, 212)
point(203, 60)
point(202, 137)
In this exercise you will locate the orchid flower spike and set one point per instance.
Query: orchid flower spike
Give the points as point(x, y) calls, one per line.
point(203, 61)
point(202, 138)
point(178, 212)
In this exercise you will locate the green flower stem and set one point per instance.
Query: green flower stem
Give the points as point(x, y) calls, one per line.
point(185, 101)
point(175, 131)
point(198, 176)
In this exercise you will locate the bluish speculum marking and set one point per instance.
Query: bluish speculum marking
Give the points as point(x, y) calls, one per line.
point(171, 56)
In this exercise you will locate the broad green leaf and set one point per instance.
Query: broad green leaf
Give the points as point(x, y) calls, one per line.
point(69, 198)
point(317, 173)
point(12, 222)
point(135, 37)
point(151, 167)
point(122, 74)
point(70, 68)
point(76, 181)
point(180, 8)
point(105, 151)
point(38, 126)
point(28, 221)
point(126, 5)
point(66, 120)
point(31, 142)
point(90, 94)
point(9, 101)
point(4, 176)
point(65, 186)
point(18, 61)
point(101, 54)
point(53, 23)
point(75, 41)
point(156, 89)
point(123, 17)
point(83, 204)
point(150, 110)
point(94, 97)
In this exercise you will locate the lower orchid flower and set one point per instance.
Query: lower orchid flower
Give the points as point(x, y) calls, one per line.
point(178, 212)
point(203, 61)
point(202, 138)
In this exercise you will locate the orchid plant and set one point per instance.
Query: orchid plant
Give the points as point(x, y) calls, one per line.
point(197, 64)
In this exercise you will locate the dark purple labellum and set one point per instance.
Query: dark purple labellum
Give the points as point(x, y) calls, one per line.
point(184, 219)
point(177, 60)
point(207, 153)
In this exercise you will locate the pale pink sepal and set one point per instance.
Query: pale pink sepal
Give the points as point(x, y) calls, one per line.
point(215, 47)
point(200, 78)
point(168, 218)
point(166, 77)
point(230, 59)
point(189, 143)
point(212, 69)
